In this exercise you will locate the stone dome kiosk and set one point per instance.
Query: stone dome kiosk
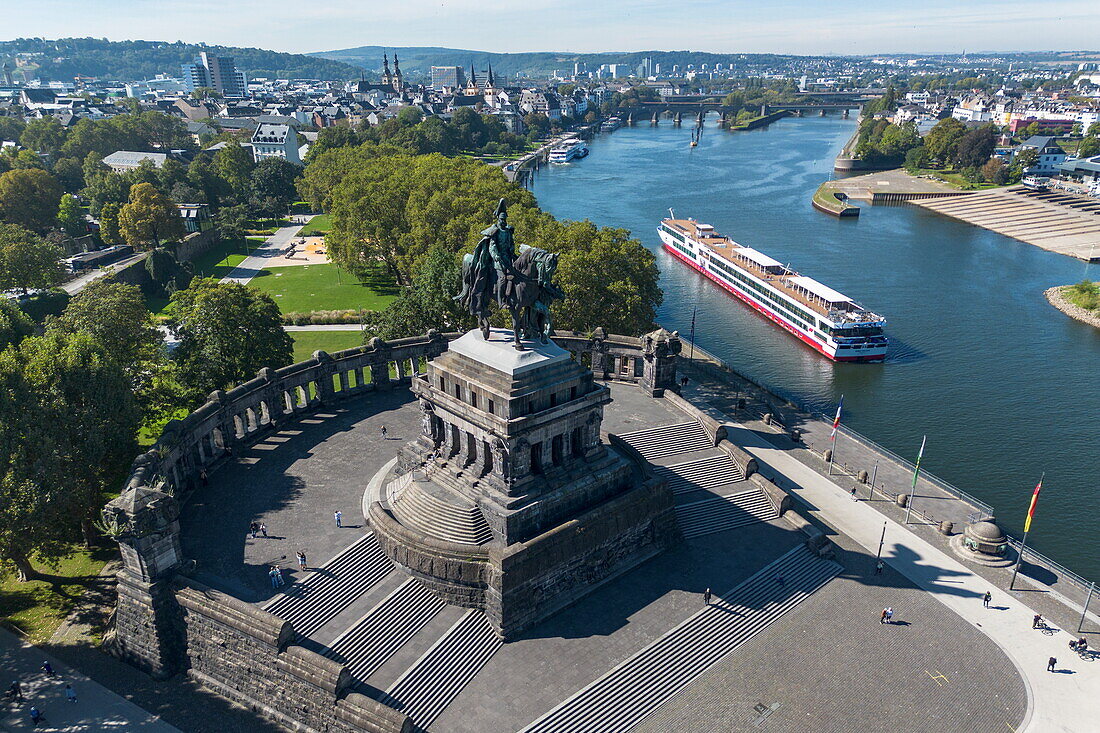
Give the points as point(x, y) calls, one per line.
point(509, 501)
point(984, 542)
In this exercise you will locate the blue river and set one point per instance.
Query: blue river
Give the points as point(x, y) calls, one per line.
point(1004, 385)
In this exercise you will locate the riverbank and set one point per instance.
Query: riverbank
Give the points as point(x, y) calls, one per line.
point(1057, 299)
point(881, 187)
point(825, 200)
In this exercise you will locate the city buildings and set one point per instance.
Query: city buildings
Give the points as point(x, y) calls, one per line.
point(215, 72)
point(275, 141)
point(448, 77)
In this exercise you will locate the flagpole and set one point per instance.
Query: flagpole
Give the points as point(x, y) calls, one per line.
point(1027, 528)
point(832, 437)
point(916, 473)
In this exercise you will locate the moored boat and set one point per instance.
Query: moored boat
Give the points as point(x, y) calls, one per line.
point(828, 321)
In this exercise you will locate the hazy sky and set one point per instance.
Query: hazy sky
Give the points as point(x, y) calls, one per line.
point(782, 26)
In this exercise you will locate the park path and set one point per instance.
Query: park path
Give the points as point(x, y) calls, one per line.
point(74, 286)
point(96, 708)
point(273, 246)
point(1063, 701)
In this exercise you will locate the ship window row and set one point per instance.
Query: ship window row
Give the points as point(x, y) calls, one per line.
point(675, 234)
point(789, 309)
point(684, 249)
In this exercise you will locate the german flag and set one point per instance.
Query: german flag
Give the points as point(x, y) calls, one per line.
point(1034, 501)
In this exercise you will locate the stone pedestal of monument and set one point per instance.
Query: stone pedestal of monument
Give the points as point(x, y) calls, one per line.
point(509, 501)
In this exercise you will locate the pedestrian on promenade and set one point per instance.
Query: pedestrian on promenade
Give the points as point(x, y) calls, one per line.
point(263, 530)
point(70, 693)
point(383, 432)
point(274, 575)
point(48, 669)
point(706, 597)
point(878, 568)
point(987, 598)
point(1050, 664)
point(854, 497)
point(882, 618)
point(36, 715)
point(301, 560)
point(16, 690)
point(1037, 621)
point(339, 516)
point(253, 528)
point(889, 615)
point(203, 477)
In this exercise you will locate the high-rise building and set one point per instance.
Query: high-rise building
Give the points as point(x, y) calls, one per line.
point(452, 77)
point(216, 72)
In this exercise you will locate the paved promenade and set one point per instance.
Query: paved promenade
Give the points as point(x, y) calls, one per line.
point(1061, 701)
point(95, 709)
point(272, 248)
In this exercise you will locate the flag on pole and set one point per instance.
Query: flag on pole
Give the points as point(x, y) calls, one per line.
point(1034, 501)
point(916, 469)
point(836, 420)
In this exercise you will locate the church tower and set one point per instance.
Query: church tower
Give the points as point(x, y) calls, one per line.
point(472, 87)
point(397, 81)
point(387, 78)
point(490, 82)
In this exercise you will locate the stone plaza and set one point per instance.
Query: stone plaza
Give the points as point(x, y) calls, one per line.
point(356, 642)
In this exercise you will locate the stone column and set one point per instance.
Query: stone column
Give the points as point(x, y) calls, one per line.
point(659, 353)
point(148, 628)
point(326, 367)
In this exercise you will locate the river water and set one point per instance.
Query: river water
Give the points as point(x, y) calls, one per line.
point(1004, 385)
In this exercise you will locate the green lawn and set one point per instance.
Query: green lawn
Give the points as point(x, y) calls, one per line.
point(318, 287)
point(36, 608)
point(220, 259)
point(316, 226)
point(306, 342)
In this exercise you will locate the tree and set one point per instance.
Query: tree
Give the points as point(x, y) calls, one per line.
point(995, 171)
point(943, 138)
point(1094, 130)
point(275, 178)
point(1026, 158)
point(232, 222)
point(149, 218)
point(109, 232)
point(227, 332)
point(70, 215)
point(14, 324)
point(234, 166)
point(409, 116)
point(29, 198)
point(975, 147)
point(27, 260)
point(917, 158)
point(69, 173)
point(86, 399)
point(115, 315)
point(427, 303)
point(45, 135)
point(337, 136)
point(166, 273)
point(1089, 147)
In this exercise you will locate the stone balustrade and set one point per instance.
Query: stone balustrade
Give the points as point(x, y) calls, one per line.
point(241, 416)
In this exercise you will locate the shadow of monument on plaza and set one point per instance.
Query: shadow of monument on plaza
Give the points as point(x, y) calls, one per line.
point(256, 485)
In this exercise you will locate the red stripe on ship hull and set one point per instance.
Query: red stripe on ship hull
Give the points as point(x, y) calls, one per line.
point(764, 311)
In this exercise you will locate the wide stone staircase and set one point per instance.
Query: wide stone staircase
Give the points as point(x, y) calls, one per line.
point(434, 680)
point(722, 513)
point(385, 628)
point(441, 513)
point(622, 698)
point(329, 589)
point(669, 440)
point(701, 474)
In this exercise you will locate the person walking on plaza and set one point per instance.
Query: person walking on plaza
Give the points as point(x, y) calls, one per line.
point(383, 432)
point(339, 516)
point(203, 477)
point(854, 497)
point(1050, 664)
point(706, 597)
point(878, 568)
point(263, 530)
point(16, 691)
point(889, 615)
point(882, 618)
point(70, 693)
point(36, 716)
point(274, 575)
point(301, 560)
point(48, 669)
point(1037, 621)
point(987, 598)
point(253, 528)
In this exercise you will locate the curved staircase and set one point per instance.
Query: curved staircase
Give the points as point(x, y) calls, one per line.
point(440, 513)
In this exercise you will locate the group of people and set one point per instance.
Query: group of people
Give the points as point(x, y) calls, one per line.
point(257, 528)
point(887, 616)
point(276, 573)
point(15, 693)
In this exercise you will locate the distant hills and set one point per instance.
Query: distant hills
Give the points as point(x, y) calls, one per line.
point(422, 58)
point(131, 60)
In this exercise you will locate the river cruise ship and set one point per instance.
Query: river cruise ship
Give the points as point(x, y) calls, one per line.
point(569, 149)
point(831, 323)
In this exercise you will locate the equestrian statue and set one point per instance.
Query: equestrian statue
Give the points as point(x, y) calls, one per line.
point(519, 284)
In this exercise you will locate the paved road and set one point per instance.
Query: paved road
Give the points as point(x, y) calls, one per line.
point(273, 246)
point(74, 286)
point(96, 708)
point(1064, 701)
